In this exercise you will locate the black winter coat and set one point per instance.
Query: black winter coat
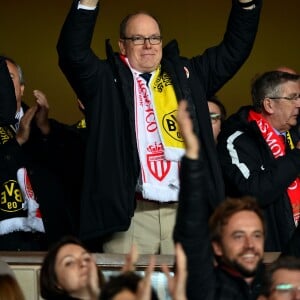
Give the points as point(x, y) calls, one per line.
point(105, 86)
point(250, 168)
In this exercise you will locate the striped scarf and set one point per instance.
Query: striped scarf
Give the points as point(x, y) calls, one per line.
point(159, 143)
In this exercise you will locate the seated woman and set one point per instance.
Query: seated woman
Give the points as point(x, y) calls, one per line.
point(69, 271)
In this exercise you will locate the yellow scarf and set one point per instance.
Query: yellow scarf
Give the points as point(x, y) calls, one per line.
point(159, 143)
point(165, 106)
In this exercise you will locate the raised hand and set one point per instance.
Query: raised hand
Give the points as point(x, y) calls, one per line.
point(131, 259)
point(93, 283)
point(144, 291)
point(41, 116)
point(177, 283)
point(25, 125)
point(186, 127)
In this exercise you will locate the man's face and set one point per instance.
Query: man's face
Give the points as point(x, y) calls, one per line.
point(215, 113)
point(146, 57)
point(19, 88)
point(284, 112)
point(283, 278)
point(242, 243)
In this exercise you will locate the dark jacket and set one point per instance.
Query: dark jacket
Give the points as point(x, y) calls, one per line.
point(8, 102)
point(204, 280)
point(250, 168)
point(54, 174)
point(43, 159)
point(106, 89)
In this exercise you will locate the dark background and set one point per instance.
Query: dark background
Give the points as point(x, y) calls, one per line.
point(29, 31)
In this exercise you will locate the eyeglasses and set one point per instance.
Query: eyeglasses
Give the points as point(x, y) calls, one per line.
point(287, 290)
point(214, 117)
point(290, 98)
point(141, 40)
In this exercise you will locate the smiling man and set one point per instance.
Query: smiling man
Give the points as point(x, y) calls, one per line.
point(134, 148)
point(237, 234)
point(233, 234)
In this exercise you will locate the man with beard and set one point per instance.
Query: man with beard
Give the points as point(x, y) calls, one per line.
point(234, 233)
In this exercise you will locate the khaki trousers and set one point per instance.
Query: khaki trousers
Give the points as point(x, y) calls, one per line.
point(151, 230)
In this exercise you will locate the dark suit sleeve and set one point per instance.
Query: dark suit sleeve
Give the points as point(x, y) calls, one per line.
point(76, 58)
point(293, 246)
point(220, 63)
point(191, 228)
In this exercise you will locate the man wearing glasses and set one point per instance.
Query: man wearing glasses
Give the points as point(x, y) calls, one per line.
point(134, 149)
point(217, 113)
point(282, 280)
point(259, 153)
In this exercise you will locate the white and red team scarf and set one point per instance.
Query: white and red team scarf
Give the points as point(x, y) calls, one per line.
point(19, 209)
point(160, 145)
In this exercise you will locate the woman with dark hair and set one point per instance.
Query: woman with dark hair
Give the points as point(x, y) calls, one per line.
point(69, 271)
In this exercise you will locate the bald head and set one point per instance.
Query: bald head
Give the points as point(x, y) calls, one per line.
point(286, 70)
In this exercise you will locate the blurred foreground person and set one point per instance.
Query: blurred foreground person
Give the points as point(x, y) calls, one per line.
point(69, 271)
point(234, 234)
point(282, 280)
point(9, 286)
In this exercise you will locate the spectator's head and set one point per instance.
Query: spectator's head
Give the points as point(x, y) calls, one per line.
point(237, 233)
point(5, 269)
point(123, 287)
point(9, 286)
point(286, 70)
point(17, 77)
point(276, 95)
point(217, 114)
point(282, 280)
point(66, 270)
point(141, 41)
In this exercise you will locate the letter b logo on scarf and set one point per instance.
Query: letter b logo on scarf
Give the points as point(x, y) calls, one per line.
point(11, 197)
point(171, 127)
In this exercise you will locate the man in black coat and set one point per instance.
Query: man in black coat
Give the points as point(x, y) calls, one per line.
point(259, 152)
point(134, 148)
point(37, 176)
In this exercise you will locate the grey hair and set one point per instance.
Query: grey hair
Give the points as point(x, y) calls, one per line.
point(19, 69)
point(269, 84)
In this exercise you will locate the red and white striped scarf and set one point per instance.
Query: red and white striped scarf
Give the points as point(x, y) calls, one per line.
point(159, 178)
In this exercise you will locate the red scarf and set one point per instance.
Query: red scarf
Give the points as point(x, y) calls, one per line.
point(277, 147)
